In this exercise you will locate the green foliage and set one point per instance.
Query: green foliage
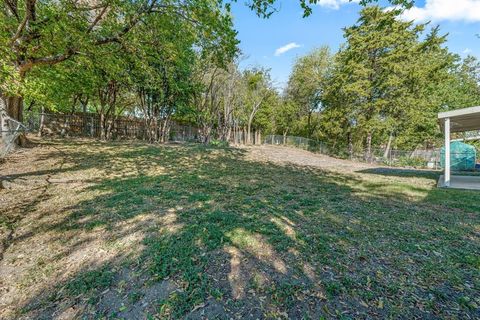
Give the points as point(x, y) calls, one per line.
point(227, 101)
point(265, 8)
point(218, 143)
point(386, 83)
point(94, 280)
point(179, 62)
point(161, 61)
point(407, 161)
point(9, 80)
point(58, 54)
point(372, 79)
point(307, 83)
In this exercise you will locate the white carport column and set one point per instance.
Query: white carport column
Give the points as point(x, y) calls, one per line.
point(447, 152)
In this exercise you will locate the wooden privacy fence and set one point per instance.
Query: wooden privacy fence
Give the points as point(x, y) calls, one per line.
point(120, 127)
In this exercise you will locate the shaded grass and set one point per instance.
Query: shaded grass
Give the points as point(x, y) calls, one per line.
point(310, 243)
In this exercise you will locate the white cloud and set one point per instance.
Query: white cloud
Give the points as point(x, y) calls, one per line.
point(467, 51)
point(334, 4)
point(438, 10)
point(285, 48)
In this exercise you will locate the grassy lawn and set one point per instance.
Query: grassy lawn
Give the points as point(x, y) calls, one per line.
point(122, 230)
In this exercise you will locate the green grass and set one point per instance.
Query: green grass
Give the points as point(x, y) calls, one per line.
point(311, 243)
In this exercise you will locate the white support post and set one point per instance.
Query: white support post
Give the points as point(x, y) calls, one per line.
point(447, 153)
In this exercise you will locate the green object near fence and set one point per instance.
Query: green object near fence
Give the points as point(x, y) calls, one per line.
point(462, 156)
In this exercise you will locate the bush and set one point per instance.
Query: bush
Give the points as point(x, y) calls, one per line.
point(218, 143)
point(406, 161)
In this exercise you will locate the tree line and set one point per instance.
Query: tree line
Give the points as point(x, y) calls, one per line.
point(165, 61)
point(382, 89)
point(160, 60)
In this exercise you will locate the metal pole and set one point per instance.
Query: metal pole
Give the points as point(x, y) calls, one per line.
point(447, 153)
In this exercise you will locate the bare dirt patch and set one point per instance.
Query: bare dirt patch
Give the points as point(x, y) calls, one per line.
point(288, 155)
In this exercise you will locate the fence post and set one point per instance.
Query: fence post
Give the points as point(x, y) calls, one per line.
point(3, 126)
point(42, 121)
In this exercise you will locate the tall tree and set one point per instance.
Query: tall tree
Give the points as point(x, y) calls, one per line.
point(307, 83)
point(35, 33)
point(162, 66)
point(41, 33)
point(258, 85)
point(385, 80)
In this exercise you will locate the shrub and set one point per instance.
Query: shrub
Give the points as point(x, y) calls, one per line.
point(406, 161)
point(218, 143)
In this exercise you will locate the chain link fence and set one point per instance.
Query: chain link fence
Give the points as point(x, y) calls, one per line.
point(424, 159)
point(430, 159)
point(297, 142)
point(10, 131)
point(88, 125)
point(402, 158)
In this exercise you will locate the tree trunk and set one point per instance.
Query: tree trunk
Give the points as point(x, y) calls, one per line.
point(229, 133)
point(102, 125)
point(350, 146)
point(309, 124)
point(205, 133)
point(109, 133)
point(234, 134)
point(156, 134)
point(166, 129)
point(14, 109)
point(369, 147)
point(42, 121)
point(3, 121)
point(389, 145)
point(92, 127)
point(84, 106)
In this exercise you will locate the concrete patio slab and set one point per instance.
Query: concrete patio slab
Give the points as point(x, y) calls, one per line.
point(461, 182)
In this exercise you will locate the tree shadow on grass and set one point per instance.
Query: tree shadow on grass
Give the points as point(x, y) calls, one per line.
point(444, 199)
point(206, 233)
point(402, 172)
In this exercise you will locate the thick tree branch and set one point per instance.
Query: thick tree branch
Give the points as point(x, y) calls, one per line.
point(181, 12)
point(54, 59)
point(100, 6)
point(13, 9)
point(133, 22)
point(19, 31)
point(30, 63)
point(29, 15)
point(97, 19)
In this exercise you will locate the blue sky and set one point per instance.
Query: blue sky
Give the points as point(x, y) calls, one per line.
point(262, 39)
